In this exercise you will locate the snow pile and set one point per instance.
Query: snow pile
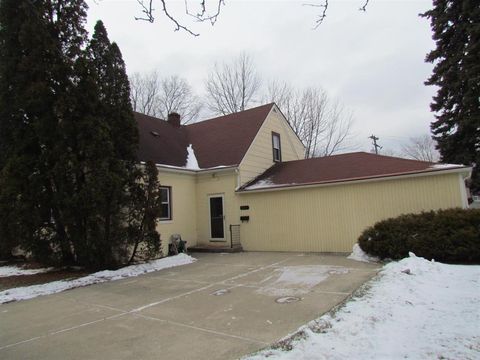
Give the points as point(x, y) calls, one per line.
point(414, 309)
point(16, 271)
point(28, 292)
point(359, 255)
point(192, 163)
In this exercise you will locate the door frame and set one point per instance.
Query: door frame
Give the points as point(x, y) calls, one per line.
point(224, 239)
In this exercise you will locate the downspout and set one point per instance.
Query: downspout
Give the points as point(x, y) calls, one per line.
point(237, 171)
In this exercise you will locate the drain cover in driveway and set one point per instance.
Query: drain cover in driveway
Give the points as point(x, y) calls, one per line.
point(220, 292)
point(287, 299)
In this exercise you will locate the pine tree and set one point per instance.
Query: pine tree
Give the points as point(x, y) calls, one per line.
point(33, 75)
point(118, 172)
point(456, 31)
point(144, 210)
point(69, 182)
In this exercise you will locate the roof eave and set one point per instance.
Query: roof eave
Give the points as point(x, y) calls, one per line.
point(465, 170)
point(181, 170)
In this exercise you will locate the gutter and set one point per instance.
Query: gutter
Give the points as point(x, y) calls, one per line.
point(465, 170)
point(180, 170)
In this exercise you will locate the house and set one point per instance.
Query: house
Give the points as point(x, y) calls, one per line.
point(242, 179)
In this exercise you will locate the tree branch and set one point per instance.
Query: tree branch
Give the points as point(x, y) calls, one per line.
point(364, 7)
point(323, 15)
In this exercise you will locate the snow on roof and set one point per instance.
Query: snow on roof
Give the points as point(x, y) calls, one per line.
point(445, 166)
point(192, 163)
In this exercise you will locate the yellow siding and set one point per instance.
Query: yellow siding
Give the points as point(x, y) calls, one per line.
point(184, 219)
point(259, 156)
point(220, 183)
point(330, 218)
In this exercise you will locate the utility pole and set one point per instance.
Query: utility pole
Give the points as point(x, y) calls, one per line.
point(375, 145)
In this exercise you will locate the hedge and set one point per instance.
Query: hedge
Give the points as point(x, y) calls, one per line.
point(451, 236)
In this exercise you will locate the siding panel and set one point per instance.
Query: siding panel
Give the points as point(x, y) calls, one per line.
point(330, 219)
point(184, 220)
point(260, 157)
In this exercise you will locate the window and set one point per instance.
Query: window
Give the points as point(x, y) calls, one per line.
point(277, 149)
point(165, 203)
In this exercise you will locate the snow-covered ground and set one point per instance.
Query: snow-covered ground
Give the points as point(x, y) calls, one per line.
point(16, 271)
point(415, 309)
point(28, 292)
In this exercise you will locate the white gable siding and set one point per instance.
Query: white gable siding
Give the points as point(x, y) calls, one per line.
point(259, 156)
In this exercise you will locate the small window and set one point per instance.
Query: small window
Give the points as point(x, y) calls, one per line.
point(277, 149)
point(165, 203)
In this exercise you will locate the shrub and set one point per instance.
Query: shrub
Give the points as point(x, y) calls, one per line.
point(451, 235)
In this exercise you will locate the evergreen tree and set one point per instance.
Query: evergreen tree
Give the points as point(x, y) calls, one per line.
point(118, 172)
point(35, 70)
point(144, 210)
point(69, 183)
point(456, 31)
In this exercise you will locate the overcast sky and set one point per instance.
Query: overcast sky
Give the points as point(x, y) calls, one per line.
point(372, 62)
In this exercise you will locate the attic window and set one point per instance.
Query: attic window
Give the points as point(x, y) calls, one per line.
point(276, 147)
point(154, 133)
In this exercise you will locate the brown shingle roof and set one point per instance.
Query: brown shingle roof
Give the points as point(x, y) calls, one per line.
point(161, 142)
point(337, 168)
point(222, 141)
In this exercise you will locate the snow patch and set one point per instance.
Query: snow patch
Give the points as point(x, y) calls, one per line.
point(359, 255)
point(17, 271)
point(297, 280)
point(29, 292)
point(444, 166)
point(192, 163)
point(433, 312)
point(265, 183)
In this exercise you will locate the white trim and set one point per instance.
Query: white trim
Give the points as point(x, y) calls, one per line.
point(179, 170)
point(463, 191)
point(466, 171)
point(222, 195)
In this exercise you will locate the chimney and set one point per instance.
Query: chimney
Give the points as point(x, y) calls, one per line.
point(174, 119)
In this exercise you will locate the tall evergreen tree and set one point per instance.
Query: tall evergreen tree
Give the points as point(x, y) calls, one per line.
point(118, 172)
point(69, 183)
point(40, 41)
point(456, 31)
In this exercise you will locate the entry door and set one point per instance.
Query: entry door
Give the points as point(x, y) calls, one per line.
point(217, 230)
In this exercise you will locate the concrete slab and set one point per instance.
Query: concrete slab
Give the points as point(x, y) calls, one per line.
point(221, 307)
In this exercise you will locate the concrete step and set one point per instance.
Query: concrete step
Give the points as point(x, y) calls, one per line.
point(215, 249)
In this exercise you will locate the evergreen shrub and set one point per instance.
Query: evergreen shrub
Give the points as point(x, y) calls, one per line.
point(451, 236)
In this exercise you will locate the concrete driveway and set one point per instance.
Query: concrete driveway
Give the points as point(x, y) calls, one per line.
point(223, 306)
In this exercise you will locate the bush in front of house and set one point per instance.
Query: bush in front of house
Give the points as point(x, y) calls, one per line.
point(451, 236)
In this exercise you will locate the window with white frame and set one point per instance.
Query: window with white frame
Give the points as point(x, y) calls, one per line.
point(165, 203)
point(277, 148)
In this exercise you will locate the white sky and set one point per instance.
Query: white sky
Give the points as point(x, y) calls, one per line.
point(372, 62)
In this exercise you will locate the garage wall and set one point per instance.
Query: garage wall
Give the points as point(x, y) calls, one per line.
point(330, 218)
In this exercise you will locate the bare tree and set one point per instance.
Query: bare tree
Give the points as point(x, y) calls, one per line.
point(176, 95)
point(421, 148)
point(144, 90)
point(232, 87)
point(209, 11)
point(323, 126)
point(155, 96)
